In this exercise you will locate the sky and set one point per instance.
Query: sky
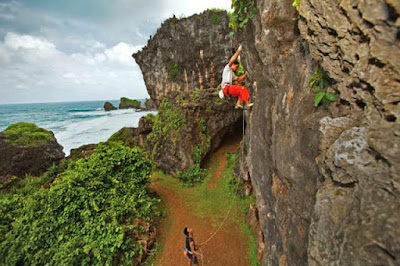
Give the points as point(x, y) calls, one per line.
point(80, 50)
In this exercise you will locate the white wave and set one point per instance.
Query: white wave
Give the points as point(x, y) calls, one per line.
point(93, 130)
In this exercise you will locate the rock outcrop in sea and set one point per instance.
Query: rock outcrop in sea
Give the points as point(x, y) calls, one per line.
point(109, 106)
point(27, 149)
point(127, 103)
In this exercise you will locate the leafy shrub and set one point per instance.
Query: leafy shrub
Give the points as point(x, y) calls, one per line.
point(173, 71)
point(27, 134)
point(319, 81)
point(151, 117)
point(240, 71)
point(296, 4)
point(243, 11)
point(87, 215)
point(192, 175)
point(124, 135)
point(168, 120)
point(217, 10)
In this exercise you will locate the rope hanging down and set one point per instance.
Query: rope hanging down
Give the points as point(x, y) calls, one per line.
point(233, 198)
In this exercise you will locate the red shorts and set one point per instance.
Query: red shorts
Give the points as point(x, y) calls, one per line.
point(237, 91)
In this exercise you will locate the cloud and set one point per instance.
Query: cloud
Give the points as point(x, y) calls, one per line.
point(32, 65)
point(79, 50)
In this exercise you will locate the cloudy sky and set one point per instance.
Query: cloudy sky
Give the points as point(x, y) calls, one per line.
point(77, 50)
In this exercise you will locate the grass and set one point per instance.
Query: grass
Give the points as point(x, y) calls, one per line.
point(214, 202)
point(27, 135)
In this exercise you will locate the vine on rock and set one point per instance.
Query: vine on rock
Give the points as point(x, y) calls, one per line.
point(319, 82)
point(243, 11)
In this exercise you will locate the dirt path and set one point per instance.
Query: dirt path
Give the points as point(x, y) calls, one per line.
point(227, 247)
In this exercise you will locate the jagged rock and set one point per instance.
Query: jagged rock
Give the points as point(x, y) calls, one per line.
point(126, 103)
point(109, 106)
point(27, 149)
point(182, 64)
point(185, 54)
point(329, 195)
point(134, 137)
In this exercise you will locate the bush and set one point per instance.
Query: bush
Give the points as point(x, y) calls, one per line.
point(87, 215)
point(243, 11)
point(192, 175)
point(151, 117)
point(215, 19)
point(124, 135)
point(27, 134)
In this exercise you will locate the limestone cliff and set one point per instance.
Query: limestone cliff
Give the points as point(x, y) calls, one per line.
point(181, 66)
point(326, 181)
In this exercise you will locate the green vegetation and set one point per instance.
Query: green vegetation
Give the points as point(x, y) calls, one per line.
point(173, 70)
point(27, 134)
point(86, 216)
point(296, 4)
point(215, 19)
point(166, 126)
point(243, 11)
point(124, 135)
point(213, 200)
point(195, 174)
point(217, 10)
point(151, 117)
point(130, 102)
point(240, 71)
point(319, 81)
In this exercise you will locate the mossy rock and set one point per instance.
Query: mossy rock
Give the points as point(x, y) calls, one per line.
point(27, 135)
point(126, 135)
point(129, 103)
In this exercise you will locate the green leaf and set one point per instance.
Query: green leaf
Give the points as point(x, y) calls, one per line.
point(316, 90)
point(320, 95)
point(330, 96)
point(325, 102)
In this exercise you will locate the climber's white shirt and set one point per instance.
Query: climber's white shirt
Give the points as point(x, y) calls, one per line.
point(228, 76)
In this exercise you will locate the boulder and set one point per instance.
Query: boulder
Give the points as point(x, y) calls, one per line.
point(109, 106)
point(126, 103)
point(27, 149)
point(83, 151)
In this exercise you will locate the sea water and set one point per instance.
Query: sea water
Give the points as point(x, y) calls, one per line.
point(73, 123)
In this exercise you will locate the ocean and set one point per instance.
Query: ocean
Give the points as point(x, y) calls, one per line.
point(73, 123)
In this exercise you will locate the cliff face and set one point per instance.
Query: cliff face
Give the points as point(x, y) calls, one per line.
point(182, 66)
point(186, 54)
point(326, 181)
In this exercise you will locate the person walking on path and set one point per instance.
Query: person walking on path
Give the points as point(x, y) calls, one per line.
point(230, 86)
point(190, 251)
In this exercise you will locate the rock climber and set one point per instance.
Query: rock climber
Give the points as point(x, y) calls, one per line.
point(190, 250)
point(230, 86)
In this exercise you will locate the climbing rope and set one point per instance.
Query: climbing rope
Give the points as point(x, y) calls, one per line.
point(233, 198)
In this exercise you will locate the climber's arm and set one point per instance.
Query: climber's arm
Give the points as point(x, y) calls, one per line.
point(241, 78)
point(235, 56)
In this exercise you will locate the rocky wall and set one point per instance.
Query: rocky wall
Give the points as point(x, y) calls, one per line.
point(326, 181)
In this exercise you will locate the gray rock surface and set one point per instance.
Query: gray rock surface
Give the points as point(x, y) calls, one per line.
point(326, 181)
point(185, 54)
point(183, 64)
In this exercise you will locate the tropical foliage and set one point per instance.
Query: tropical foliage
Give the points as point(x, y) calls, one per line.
point(27, 134)
point(86, 216)
point(243, 11)
point(319, 81)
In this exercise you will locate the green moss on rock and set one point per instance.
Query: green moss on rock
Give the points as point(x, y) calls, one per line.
point(129, 103)
point(28, 135)
point(124, 135)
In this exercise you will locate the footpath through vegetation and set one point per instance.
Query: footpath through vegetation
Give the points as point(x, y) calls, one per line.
point(203, 208)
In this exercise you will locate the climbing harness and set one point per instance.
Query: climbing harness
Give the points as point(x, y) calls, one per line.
point(232, 200)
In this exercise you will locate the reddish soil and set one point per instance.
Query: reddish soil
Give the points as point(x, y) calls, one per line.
point(227, 247)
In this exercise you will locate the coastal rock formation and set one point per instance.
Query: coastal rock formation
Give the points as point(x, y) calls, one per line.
point(83, 151)
point(182, 66)
point(326, 182)
point(149, 105)
point(27, 149)
point(126, 103)
point(109, 106)
point(134, 136)
point(186, 54)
